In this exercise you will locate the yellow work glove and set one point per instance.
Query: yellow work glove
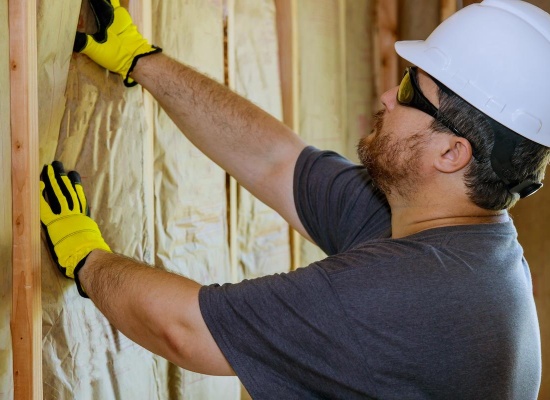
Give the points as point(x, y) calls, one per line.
point(64, 213)
point(117, 45)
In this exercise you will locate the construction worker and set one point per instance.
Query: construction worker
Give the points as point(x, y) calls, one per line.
point(425, 292)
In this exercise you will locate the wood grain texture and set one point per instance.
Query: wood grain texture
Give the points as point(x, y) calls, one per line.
point(361, 101)
point(386, 36)
point(26, 321)
point(447, 8)
point(232, 186)
point(288, 59)
point(287, 36)
point(417, 20)
point(6, 356)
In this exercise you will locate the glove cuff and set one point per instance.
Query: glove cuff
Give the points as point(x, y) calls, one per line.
point(129, 82)
point(77, 279)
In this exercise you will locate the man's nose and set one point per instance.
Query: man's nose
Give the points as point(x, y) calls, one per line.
point(389, 98)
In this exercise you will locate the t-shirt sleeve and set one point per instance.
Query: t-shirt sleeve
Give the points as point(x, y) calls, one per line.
point(336, 201)
point(272, 331)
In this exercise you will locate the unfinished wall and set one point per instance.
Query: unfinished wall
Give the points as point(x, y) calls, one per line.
point(90, 122)
point(262, 245)
point(322, 85)
point(416, 21)
point(335, 40)
point(190, 190)
point(6, 373)
point(93, 124)
point(361, 101)
point(158, 199)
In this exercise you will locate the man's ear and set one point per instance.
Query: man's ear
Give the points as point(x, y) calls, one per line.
point(455, 153)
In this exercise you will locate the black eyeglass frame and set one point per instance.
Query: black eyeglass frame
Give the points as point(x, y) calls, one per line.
point(421, 102)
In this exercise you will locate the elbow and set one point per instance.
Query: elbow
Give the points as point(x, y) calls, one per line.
point(177, 344)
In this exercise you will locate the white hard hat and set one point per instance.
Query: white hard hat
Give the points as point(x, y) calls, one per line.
point(496, 56)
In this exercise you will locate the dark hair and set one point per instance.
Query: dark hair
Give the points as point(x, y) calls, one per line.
point(484, 187)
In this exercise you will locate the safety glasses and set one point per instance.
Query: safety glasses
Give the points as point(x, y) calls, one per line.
point(410, 95)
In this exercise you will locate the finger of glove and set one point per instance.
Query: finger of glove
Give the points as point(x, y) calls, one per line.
point(75, 206)
point(122, 22)
point(76, 181)
point(115, 3)
point(104, 15)
point(80, 42)
point(46, 214)
point(62, 198)
point(64, 183)
point(48, 191)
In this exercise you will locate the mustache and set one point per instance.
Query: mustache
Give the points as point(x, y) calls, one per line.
point(378, 120)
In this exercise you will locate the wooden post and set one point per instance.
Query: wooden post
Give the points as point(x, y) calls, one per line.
point(287, 35)
point(26, 321)
point(386, 36)
point(342, 24)
point(417, 20)
point(232, 185)
point(447, 8)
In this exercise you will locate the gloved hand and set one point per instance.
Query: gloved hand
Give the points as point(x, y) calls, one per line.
point(117, 45)
point(64, 214)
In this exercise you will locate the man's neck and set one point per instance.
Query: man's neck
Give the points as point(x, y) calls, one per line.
point(409, 218)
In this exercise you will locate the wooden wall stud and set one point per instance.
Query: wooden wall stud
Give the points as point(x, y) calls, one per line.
point(26, 321)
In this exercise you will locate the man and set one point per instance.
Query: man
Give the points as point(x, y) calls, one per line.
point(425, 293)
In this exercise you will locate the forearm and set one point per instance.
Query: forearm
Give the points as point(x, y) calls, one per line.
point(154, 308)
point(240, 137)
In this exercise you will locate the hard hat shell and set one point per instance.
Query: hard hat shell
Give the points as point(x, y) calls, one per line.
point(496, 56)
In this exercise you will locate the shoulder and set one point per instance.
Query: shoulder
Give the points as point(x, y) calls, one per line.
point(336, 201)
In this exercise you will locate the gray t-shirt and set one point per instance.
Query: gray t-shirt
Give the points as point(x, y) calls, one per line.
point(446, 313)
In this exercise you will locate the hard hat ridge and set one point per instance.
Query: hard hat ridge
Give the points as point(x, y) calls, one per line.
point(532, 15)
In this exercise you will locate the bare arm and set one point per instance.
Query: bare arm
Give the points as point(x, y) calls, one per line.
point(251, 145)
point(156, 309)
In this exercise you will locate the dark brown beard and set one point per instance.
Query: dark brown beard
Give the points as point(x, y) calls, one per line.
point(392, 164)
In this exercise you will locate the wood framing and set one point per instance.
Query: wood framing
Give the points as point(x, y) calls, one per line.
point(26, 321)
point(288, 59)
point(287, 35)
point(447, 8)
point(417, 20)
point(386, 69)
point(232, 186)
point(342, 22)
